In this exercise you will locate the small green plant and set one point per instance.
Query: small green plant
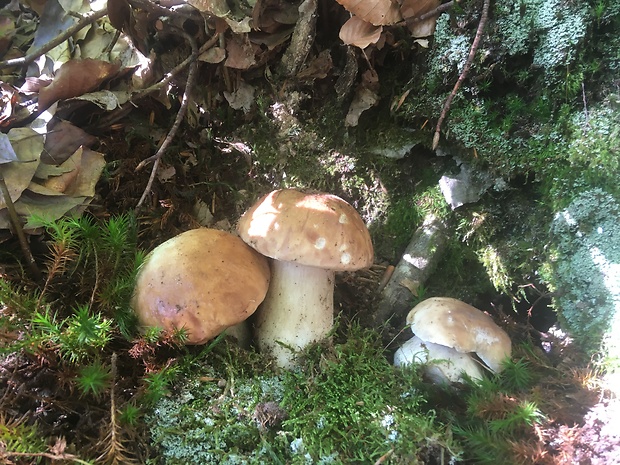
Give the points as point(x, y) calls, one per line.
point(157, 383)
point(72, 320)
point(17, 436)
point(130, 415)
point(93, 379)
point(500, 418)
point(517, 375)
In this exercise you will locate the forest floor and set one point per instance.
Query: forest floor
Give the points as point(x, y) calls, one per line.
point(223, 156)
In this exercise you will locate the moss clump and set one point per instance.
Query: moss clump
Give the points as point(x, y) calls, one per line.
point(585, 269)
point(539, 98)
point(345, 404)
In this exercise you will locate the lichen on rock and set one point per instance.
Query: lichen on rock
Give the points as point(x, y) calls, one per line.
point(586, 270)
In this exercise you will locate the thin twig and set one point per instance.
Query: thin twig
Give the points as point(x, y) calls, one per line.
point(585, 104)
point(176, 70)
point(47, 455)
point(19, 231)
point(86, 19)
point(429, 14)
point(468, 63)
point(122, 111)
point(191, 75)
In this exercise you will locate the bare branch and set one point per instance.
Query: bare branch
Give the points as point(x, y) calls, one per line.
point(470, 60)
point(191, 77)
point(19, 231)
point(86, 19)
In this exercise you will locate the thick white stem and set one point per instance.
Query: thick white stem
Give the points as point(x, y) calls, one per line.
point(298, 310)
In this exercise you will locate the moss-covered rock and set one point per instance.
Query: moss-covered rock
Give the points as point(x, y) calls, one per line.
point(586, 269)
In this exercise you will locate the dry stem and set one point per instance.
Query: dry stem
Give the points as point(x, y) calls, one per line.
point(86, 19)
point(468, 63)
point(191, 76)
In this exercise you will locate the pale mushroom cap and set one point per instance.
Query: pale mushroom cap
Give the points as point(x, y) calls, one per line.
point(203, 280)
point(452, 323)
point(444, 363)
point(319, 230)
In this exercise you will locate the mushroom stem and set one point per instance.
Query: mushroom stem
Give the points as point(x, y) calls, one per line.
point(298, 310)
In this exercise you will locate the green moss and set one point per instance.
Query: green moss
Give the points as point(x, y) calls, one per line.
point(346, 404)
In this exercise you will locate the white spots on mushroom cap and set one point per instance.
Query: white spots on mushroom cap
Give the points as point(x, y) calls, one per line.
point(343, 218)
point(320, 243)
point(484, 335)
point(345, 258)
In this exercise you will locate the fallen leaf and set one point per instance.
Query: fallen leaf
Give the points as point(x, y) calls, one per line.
point(240, 52)
point(364, 99)
point(85, 167)
point(166, 174)
point(415, 8)
point(217, 8)
point(106, 99)
point(412, 285)
point(119, 14)
point(376, 12)
point(27, 146)
point(318, 68)
point(213, 55)
point(74, 78)
point(7, 154)
point(359, 33)
point(242, 98)
point(31, 206)
point(62, 140)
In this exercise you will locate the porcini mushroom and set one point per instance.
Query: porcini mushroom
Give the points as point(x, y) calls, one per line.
point(443, 364)
point(203, 280)
point(309, 237)
point(455, 324)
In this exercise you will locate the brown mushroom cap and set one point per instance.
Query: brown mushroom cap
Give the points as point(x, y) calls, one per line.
point(203, 280)
point(320, 230)
point(452, 323)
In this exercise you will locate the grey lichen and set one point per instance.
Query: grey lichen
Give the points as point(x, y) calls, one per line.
point(586, 268)
point(209, 423)
point(551, 29)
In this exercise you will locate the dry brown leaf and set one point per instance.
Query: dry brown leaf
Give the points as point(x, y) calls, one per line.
point(119, 13)
point(62, 140)
point(213, 55)
point(377, 12)
point(217, 8)
point(416, 8)
point(359, 33)
point(241, 53)
point(363, 100)
point(74, 78)
point(317, 68)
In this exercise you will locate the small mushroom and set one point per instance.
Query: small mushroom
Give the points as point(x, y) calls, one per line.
point(203, 280)
point(443, 364)
point(309, 237)
point(452, 323)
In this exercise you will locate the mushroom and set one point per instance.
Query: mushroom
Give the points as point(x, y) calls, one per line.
point(458, 326)
point(443, 364)
point(309, 237)
point(203, 280)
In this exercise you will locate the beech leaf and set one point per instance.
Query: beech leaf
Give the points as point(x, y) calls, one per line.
point(359, 33)
point(415, 9)
point(377, 12)
point(74, 78)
